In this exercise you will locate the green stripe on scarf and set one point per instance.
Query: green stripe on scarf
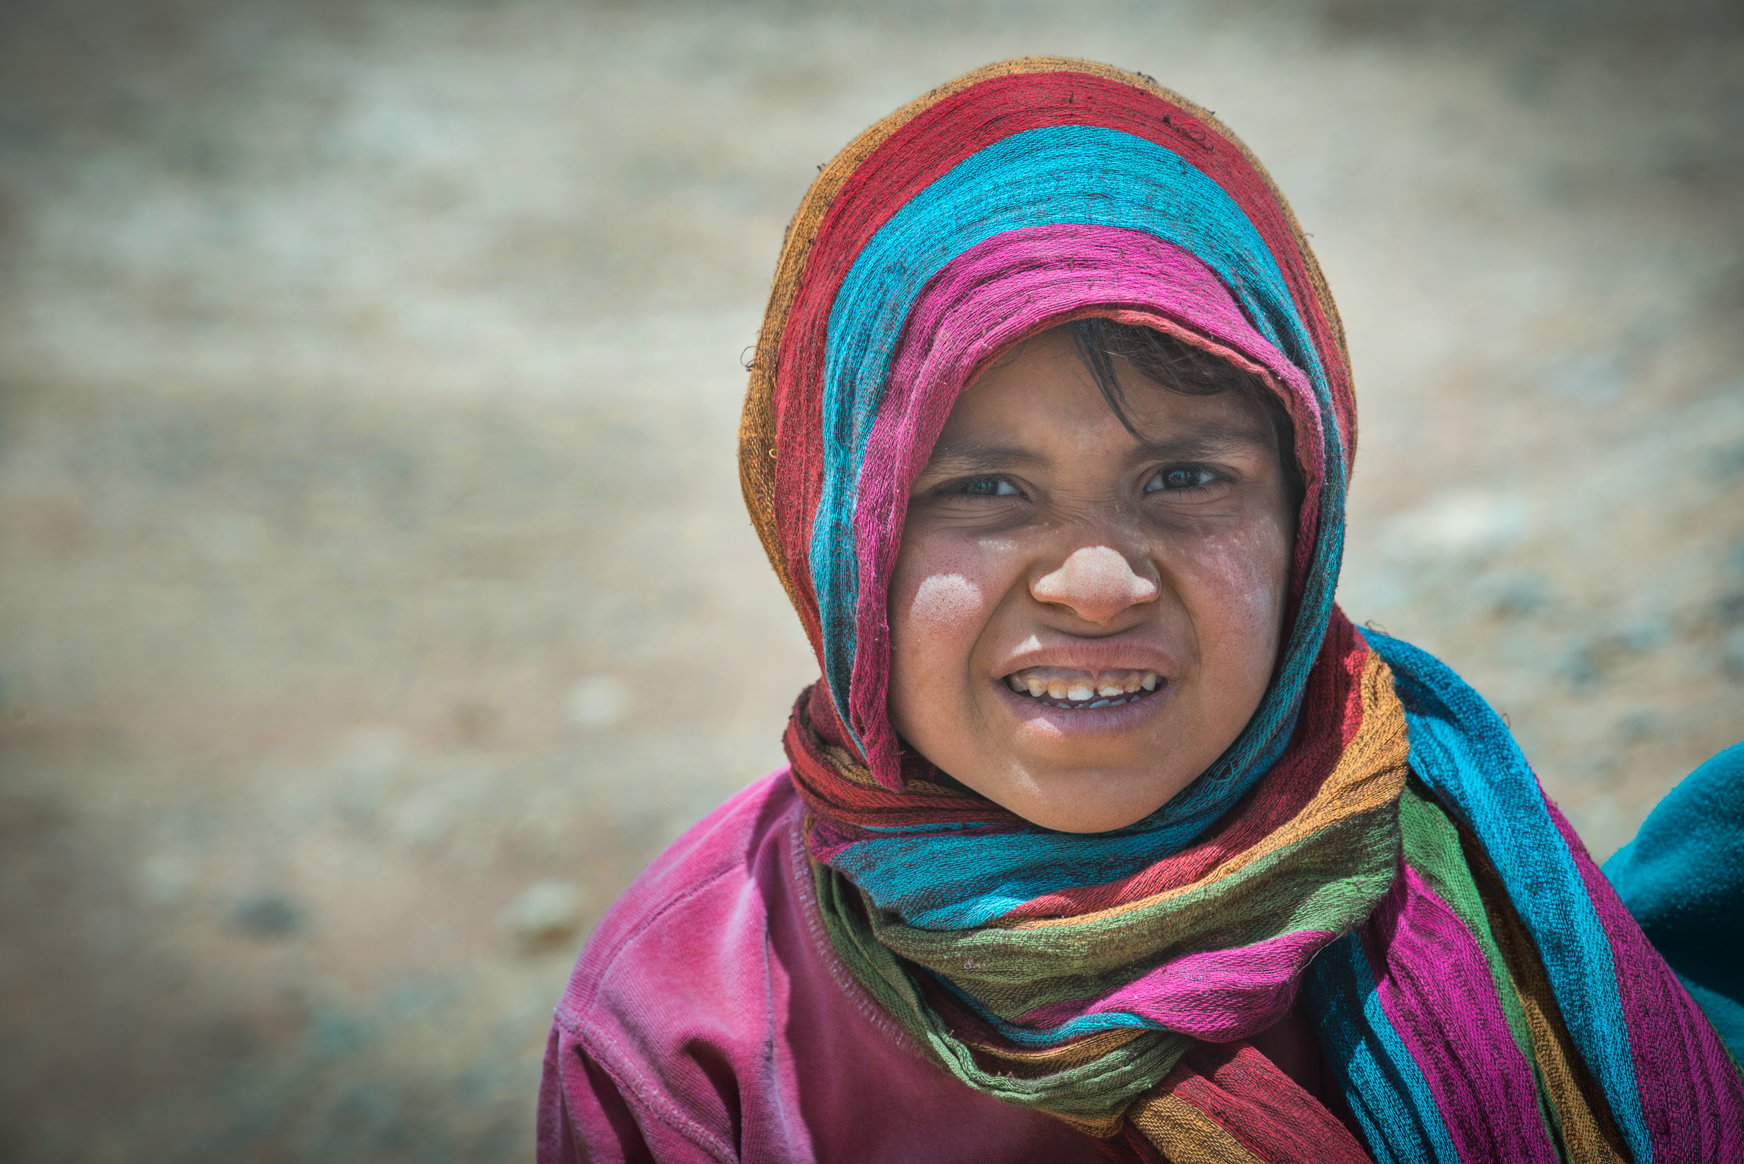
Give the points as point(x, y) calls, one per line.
point(1434, 847)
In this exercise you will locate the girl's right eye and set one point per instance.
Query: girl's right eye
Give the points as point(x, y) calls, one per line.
point(987, 487)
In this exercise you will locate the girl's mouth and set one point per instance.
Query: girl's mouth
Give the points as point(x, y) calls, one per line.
point(1083, 690)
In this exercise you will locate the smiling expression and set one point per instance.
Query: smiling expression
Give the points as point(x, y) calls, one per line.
point(1082, 620)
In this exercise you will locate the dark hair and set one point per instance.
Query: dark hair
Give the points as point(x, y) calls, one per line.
point(1180, 367)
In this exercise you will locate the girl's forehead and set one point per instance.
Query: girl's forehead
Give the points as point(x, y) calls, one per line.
point(1043, 388)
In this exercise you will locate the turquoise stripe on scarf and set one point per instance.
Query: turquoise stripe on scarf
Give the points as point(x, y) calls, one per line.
point(1466, 755)
point(978, 879)
point(1035, 1039)
point(1382, 1083)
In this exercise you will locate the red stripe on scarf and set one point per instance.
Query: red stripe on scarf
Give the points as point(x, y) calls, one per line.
point(1262, 1108)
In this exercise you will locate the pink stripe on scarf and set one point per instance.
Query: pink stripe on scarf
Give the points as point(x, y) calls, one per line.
point(1437, 991)
point(1215, 995)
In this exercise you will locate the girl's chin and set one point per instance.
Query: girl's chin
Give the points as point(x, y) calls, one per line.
point(1075, 798)
point(1071, 817)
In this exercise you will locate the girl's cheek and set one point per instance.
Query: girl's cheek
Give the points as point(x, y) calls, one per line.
point(941, 586)
point(940, 600)
point(1246, 575)
point(945, 602)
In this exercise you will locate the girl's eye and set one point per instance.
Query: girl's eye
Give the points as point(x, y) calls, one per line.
point(1180, 478)
point(987, 487)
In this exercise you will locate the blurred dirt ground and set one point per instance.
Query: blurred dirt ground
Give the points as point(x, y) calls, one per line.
point(377, 597)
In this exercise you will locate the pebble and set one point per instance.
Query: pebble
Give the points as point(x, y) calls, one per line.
point(267, 917)
point(1639, 724)
point(1586, 666)
point(598, 701)
point(1582, 669)
point(1641, 635)
point(336, 1034)
point(547, 915)
point(1514, 595)
point(427, 817)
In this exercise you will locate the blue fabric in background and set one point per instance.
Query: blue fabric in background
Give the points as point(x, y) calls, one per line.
point(1682, 878)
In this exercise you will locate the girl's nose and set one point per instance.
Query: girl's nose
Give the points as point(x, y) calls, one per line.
point(1096, 583)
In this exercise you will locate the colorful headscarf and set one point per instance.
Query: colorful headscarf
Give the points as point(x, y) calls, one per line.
point(1373, 842)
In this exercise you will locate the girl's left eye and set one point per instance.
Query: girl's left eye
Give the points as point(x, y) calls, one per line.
point(1180, 478)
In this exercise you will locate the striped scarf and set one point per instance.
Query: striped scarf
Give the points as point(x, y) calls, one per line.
point(1372, 846)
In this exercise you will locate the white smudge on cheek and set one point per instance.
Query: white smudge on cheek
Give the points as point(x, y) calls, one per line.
point(1247, 575)
point(946, 600)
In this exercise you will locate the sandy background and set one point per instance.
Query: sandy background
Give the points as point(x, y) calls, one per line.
point(376, 597)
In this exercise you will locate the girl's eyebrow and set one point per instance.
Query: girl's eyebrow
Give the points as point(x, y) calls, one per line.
point(1209, 441)
point(981, 459)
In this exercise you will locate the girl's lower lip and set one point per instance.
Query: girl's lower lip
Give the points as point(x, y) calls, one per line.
point(1072, 721)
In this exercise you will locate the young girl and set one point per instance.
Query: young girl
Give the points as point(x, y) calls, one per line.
point(1105, 834)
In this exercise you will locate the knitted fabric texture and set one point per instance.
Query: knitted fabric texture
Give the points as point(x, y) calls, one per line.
point(1372, 843)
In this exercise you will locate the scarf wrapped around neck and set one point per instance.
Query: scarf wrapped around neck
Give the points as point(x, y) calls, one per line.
point(1372, 847)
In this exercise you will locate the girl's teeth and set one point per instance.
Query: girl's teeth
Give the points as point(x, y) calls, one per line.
point(1116, 685)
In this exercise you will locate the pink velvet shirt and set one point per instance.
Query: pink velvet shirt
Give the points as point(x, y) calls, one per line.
point(709, 1019)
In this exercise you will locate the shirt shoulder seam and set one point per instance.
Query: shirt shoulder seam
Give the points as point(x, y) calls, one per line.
point(653, 919)
point(605, 1051)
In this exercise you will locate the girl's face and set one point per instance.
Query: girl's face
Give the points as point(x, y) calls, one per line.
point(1082, 621)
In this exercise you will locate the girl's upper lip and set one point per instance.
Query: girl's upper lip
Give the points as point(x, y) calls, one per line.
point(1092, 655)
